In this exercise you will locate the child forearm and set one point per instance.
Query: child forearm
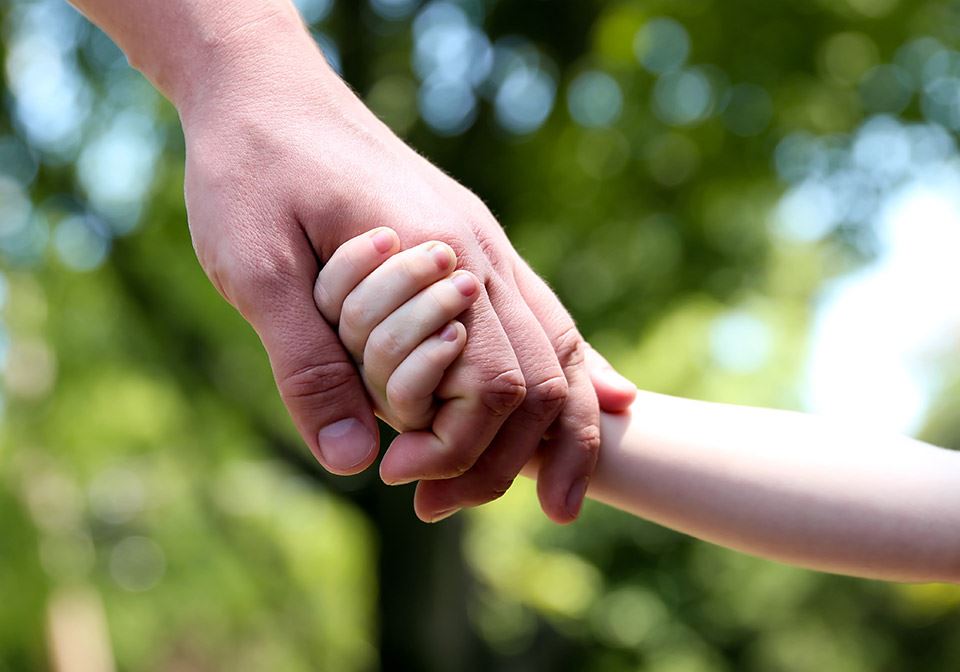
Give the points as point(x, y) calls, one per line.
point(786, 486)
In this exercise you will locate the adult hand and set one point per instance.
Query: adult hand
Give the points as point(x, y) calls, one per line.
point(284, 163)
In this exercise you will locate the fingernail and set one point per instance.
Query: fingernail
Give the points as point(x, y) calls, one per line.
point(575, 496)
point(614, 379)
point(465, 284)
point(441, 256)
point(449, 333)
point(382, 240)
point(443, 515)
point(345, 444)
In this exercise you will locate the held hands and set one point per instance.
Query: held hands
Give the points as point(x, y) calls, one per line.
point(284, 164)
point(395, 312)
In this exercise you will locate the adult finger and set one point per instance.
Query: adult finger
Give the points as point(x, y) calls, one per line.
point(317, 380)
point(518, 439)
point(481, 390)
point(570, 455)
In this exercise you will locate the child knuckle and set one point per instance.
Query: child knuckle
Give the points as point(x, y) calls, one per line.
point(384, 345)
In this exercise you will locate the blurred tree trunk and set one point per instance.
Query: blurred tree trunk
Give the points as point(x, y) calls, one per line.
point(425, 587)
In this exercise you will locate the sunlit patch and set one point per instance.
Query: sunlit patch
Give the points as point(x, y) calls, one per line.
point(449, 107)
point(448, 47)
point(740, 342)
point(53, 499)
point(26, 245)
point(662, 45)
point(941, 101)
point(914, 56)
point(453, 58)
point(51, 98)
point(116, 169)
point(394, 10)
point(594, 99)
point(81, 243)
point(137, 563)
point(116, 495)
point(525, 100)
point(879, 331)
point(15, 209)
point(629, 616)
point(31, 369)
point(683, 98)
point(314, 11)
point(872, 8)
point(846, 56)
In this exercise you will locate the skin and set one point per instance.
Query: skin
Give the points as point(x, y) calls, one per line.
point(285, 163)
point(780, 485)
point(786, 486)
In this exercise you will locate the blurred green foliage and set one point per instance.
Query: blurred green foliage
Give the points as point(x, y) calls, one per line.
point(635, 153)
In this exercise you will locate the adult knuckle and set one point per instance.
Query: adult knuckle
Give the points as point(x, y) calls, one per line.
point(316, 381)
point(504, 393)
point(253, 282)
point(569, 347)
point(545, 399)
point(586, 439)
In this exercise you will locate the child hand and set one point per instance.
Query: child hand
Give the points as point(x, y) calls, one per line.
point(395, 314)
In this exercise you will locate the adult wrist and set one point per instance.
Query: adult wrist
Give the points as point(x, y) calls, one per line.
point(222, 56)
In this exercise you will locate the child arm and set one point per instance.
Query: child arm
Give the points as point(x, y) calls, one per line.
point(786, 486)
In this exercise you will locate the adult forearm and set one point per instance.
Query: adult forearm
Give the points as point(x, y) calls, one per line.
point(181, 45)
point(786, 486)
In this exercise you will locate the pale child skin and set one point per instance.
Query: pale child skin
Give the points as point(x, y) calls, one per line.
point(781, 485)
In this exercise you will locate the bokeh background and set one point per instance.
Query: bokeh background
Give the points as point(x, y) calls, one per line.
point(754, 201)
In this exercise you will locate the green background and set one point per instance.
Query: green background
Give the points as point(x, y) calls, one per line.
point(635, 152)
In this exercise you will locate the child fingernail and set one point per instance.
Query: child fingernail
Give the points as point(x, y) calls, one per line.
point(465, 284)
point(449, 333)
point(382, 240)
point(441, 256)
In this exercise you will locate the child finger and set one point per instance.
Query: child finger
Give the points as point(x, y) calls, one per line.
point(410, 390)
point(389, 287)
point(348, 266)
point(412, 323)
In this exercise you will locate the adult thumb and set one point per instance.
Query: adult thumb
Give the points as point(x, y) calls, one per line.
point(317, 380)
